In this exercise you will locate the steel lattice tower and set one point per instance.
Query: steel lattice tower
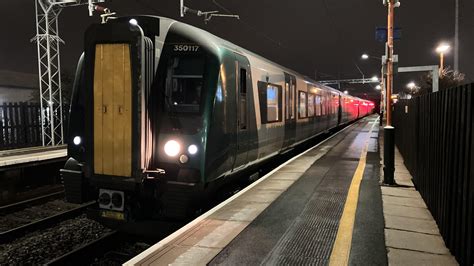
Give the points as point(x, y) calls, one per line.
point(49, 67)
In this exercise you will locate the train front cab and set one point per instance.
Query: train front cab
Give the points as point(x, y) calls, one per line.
point(136, 143)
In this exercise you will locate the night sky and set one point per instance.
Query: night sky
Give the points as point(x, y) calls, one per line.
point(325, 37)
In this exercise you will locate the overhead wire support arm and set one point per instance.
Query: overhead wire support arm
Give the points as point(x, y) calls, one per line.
point(208, 15)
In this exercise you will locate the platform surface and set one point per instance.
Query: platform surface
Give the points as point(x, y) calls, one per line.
point(31, 155)
point(292, 215)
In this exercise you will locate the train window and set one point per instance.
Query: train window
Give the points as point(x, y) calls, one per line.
point(317, 105)
point(184, 82)
point(302, 105)
point(310, 105)
point(289, 99)
point(243, 99)
point(270, 98)
point(272, 104)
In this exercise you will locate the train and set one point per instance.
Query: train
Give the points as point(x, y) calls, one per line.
point(163, 114)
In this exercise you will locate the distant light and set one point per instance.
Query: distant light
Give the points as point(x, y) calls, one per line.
point(346, 92)
point(133, 22)
point(442, 48)
point(411, 85)
point(365, 56)
point(378, 87)
point(77, 140)
point(375, 78)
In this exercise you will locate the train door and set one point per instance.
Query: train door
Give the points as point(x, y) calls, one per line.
point(290, 110)
point(112, 110)
point(242, 83)
point(339, 110)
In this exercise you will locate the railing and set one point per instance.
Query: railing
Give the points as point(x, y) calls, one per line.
point(434, 134)
point(20, 125)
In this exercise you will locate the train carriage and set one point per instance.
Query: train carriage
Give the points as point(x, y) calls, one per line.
point(164, 113)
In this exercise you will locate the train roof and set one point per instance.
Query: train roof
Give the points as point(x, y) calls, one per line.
point(214, 41)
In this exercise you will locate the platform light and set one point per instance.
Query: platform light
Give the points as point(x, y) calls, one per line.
point(77, 140)
point(172, 148)
point(375, 79)
point(442, 48)
point(133, 22)
point(378, 87)
point(192, 149)
point(365, 56)
point(346, 92)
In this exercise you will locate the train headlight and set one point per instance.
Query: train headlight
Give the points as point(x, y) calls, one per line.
point(172, 148)
point(77, 140)
point(192, 149)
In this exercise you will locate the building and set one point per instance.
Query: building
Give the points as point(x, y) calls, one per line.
point(18, 87)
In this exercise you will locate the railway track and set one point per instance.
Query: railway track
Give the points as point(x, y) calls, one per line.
point(30, 202)
point(38, 223)
point(113, 248)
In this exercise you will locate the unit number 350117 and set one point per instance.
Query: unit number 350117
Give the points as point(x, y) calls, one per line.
point(185, 48)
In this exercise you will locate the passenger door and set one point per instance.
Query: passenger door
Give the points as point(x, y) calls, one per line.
point(243, 93)
point(290, 110)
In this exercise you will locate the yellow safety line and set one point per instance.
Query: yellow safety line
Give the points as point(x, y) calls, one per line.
point(342, 246)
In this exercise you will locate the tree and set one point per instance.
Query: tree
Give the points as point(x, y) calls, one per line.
point(448, 78)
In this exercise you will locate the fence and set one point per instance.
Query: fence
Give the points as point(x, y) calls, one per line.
point(434, 134)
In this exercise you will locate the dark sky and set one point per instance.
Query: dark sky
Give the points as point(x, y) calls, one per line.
point(326, 36)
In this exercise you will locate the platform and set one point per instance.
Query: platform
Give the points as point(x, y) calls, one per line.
point(28, 156)
point(295, 214)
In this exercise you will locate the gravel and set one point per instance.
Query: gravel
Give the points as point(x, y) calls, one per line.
point(34, 213)
point(43, 246)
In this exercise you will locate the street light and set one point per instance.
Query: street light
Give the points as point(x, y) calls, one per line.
point(375, 79)
point(411, 85)
point(378, 87)
point(441, 50)
point(367, 56)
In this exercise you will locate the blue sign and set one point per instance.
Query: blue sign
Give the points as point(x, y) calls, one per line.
point(381, 34)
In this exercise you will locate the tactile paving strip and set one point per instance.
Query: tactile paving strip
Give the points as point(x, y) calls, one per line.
point(310, 239)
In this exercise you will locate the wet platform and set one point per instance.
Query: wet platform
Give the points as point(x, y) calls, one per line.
point(31, 156)
point(322, 207)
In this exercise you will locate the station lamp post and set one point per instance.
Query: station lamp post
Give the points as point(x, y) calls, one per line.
point(389, 130)
point(441, 50)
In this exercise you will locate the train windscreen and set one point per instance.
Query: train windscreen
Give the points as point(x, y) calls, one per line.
point(184, 82)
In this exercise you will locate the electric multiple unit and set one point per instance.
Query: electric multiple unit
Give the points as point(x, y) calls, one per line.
point(163, 114)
